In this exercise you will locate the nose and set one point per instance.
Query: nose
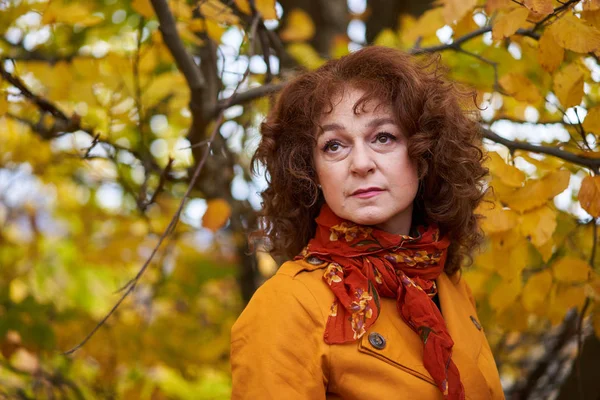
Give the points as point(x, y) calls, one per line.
point(362, 162)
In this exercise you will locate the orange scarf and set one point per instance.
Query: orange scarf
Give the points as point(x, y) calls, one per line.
point(365, 263)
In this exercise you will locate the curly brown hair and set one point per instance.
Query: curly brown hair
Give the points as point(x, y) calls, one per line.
point(444, 138)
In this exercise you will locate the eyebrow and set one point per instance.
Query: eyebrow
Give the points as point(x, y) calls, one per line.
point(374, 123)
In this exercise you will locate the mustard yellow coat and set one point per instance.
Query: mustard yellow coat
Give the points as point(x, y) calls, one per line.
point(278, 352)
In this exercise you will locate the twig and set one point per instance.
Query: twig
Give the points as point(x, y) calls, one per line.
point(170, 228)
point(42, 103)
point(161, 182)
point(183, 59)
point(493, 64)
point(131, 285)
point(555, 13)
point(592, 163)
point(249, 95)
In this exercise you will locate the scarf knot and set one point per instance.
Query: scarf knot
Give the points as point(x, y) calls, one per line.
point(364, 263)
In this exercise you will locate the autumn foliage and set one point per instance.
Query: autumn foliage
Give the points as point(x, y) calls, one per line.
point(126, 133)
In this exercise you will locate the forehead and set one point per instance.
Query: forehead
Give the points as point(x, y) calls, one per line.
point(354, 103)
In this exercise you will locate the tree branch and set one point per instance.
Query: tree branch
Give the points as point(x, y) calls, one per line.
point(249, 95)
point(592, 163)
point(183, 59)
point(42, 103)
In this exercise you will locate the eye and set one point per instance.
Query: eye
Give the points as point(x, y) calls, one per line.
point(331, 146)
point(385, 137)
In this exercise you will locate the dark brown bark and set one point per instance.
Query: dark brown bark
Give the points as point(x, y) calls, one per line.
point(384, 14)
point(329, 16)
point(589, 374)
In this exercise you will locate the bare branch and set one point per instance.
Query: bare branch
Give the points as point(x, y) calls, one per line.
point(42, 103)
point(592, 163)
point(249, 95)
point(183, 59)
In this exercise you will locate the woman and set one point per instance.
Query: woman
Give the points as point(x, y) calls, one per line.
point(374, 174)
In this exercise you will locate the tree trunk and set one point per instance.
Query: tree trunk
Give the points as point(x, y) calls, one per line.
point(385, 14)
point(590, 375)
point(329, 16)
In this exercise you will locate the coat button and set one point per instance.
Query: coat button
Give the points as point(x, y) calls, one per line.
point(476, 323)
point(314, 260)
point(377, 340)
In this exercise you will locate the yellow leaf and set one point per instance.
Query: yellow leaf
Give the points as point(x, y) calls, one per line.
point(537, 192)
point(538, 225)
point(214, 30)
point(592, 18)
point(216, 215)
point(568, 85)
point(477, 279)
point(143, 7)
point(546, 250)
point(536, 291)
point(570, 269)
point(427, 25)
point(508, 23)
point(550, 54)
point(591, 123)
point(592, 289)
point(218, 12)
point(589, 195)
point(520, 87)
point(505, 294)
point(266, 264)
point(454, 10)
point(339, 46)
point(573, 34)
point(496, 219)
point(544, 165)
point(3, 104)
point(500, 189)
point(508, 174)
point(465, 25)
point(493, 5)
point(265, 7)
point(299, 26)
point(510, 259)
point(387, 37)
point(513, 318)
point(305, 55)
point(543, 7)
point(17, 291)
point(591, 5)
point(60, 11)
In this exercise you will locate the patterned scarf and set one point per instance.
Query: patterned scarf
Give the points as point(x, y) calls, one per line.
point(365, 263)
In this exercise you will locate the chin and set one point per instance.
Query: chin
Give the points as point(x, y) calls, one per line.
point(367, 218)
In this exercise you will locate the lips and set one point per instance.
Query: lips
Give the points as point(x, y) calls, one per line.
point(367, 190)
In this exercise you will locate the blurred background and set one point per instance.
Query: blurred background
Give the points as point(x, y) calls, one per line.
point(126, 130)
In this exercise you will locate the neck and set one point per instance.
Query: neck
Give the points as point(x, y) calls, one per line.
point(397, 225)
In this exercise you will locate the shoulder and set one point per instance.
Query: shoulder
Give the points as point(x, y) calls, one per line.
point(461, 285)
point(296, 291)
point(304, 279)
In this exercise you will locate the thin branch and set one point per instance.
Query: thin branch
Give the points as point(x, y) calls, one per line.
point(465, 38)
point(161, 182)
point(170, 228)
point(249, 95)
point(131, 285)
point(592, 163)
point(493, 64)
point(183, 59)
point(42, 103)
point(555, 13)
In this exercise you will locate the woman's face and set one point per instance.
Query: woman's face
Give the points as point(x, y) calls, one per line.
point(363, 166)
